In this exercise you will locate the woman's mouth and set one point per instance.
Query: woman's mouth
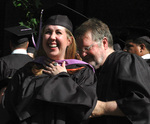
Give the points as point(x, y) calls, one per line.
point(52, 45)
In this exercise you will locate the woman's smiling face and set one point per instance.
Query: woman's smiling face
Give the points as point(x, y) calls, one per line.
point(55, 42)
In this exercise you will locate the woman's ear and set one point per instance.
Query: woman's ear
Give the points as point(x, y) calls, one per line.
point(70, 41)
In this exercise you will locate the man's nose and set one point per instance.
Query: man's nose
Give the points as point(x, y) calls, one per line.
point(83, 53)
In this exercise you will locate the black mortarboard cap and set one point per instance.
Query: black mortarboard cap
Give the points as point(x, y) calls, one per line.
point(144, 38)
point(19, 34)
point(60, 9)
point(117, 47)
point(61, 14)
point(132, 32)
point(61, 20)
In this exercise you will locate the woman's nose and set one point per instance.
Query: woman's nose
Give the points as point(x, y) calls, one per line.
point(53, 36)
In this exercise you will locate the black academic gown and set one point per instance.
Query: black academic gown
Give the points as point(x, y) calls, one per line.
point(8, 66)
point(148, 61)
point(125, 78)
point(66, 98)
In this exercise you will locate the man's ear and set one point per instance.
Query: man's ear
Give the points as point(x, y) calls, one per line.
point(105, 43)
point(142, 47)
point(27, 44)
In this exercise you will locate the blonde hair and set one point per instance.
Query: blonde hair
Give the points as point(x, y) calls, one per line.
point(72, 48)
point(70, 51)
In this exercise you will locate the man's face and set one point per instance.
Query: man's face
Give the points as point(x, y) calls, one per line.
point(90, 51)
point(132, 48)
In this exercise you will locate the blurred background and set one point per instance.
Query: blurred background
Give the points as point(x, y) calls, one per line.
point(117, 14)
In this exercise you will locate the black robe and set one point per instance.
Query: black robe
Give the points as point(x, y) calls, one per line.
point(66, 98)
point(148, 61)
point(10, 64)
point(125, 78)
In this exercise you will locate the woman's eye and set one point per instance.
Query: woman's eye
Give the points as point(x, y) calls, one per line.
point(58, 32)
point(48, 32)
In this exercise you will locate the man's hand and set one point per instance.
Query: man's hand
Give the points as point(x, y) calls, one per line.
point(99, 109)
point(106, 108)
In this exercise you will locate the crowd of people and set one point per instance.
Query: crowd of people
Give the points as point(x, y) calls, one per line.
point(75, 76)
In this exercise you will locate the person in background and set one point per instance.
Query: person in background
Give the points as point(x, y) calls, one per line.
point(139, 46)
point(31, 51)
point(117, 47)
point(123, 86)
point(19, 40)
point(55, 88)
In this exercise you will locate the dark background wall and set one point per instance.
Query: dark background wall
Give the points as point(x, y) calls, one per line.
point(115, 13)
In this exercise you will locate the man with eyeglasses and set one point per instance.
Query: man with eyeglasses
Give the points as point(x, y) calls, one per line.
point(123, 79)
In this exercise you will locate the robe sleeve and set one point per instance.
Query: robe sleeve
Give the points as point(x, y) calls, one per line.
point(134, 75)
point(77, 91)
point(12, 96)
point(4, 74)
point(2, 69)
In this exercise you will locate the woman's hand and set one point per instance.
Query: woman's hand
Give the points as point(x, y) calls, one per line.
point(54, 68)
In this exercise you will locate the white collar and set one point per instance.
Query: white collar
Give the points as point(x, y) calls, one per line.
point(20, 51)
point(146, 56)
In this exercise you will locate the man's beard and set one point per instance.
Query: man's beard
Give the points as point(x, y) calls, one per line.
point(96, 63)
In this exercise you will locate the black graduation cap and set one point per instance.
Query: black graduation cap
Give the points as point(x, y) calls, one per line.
point(144, 38)
point(73, 19)
point(133, 32)
point(20, 34)
point(61, 20)
point(60, 9)
point(129, 33)
point(117, 46)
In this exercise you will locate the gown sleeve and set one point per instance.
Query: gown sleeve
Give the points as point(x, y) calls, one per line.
point(3, 68)
point(77, 92)
point(134, 77)
point(5, 73)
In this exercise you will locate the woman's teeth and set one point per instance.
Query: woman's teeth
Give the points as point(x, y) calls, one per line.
point(54, 45)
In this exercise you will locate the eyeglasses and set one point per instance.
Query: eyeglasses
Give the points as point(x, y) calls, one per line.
point(86, 49)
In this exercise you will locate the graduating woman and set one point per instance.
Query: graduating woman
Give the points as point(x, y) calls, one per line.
point(55, 88)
